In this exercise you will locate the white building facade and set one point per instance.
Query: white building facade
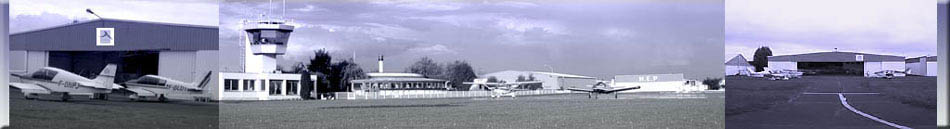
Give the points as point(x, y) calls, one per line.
point(922, 66)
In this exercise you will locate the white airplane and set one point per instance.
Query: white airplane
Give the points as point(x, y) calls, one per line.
point(602, 88)
point(49, 80)
point(498, 89)
point(157, 87)
point(888, 74)
point(773, 75)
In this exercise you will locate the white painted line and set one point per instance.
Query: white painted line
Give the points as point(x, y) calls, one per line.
point(819, 93)
point(844, 102)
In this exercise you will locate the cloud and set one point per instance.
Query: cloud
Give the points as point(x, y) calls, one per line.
point(794, 27)
point(432, 50)
point(198, 13)
point(308, 8)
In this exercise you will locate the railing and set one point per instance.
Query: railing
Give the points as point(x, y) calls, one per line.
point(415, 94)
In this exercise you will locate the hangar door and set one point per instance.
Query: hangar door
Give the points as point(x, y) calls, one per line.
point(131, 64)
point(832, 68)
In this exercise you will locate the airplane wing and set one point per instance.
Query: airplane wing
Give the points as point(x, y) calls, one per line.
point(141, 92)
point(30, 88)
point(522, 83)
point(579, 89)
point(623, 89)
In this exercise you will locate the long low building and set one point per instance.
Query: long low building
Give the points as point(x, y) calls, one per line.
point(549, 80)
point(651, 82)
point(842, 63)
point(261, 86)
point(397, 81)
point(922, 66)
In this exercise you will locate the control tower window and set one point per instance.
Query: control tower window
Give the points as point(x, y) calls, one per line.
point(269, 36)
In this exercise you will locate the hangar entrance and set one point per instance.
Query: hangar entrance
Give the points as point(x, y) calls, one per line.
point(131, 64)
point(832, 68)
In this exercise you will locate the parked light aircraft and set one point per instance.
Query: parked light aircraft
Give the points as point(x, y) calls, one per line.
point(602, 88)
point(774, 75)
point(50, 80)
point(498, 89)
point(157, 87)
point(888, 74)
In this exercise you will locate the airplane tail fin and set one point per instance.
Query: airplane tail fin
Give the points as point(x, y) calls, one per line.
point(106, 78)
point(202, 81)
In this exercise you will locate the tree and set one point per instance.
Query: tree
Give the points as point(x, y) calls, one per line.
point(458, 72)
point(320, 62)
point(426, 67)
point(341, 73)
point(761, 58)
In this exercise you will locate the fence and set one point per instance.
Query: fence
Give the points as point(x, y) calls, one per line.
point(414, 94)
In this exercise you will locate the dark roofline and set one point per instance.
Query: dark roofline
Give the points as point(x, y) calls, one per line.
point(917, 59)
point(116, 20)
point(858, 53)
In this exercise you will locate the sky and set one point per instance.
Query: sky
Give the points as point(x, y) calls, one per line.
point(787, 27)
point(26, 15)
point(599, 39)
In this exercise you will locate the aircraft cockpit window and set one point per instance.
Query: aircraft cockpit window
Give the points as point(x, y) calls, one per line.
point(44, 74)
point(151, 81)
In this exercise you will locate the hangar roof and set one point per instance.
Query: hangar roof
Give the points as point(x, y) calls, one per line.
point(835, 57)
point(739, 60)
point(129, 35)
point(915, 60)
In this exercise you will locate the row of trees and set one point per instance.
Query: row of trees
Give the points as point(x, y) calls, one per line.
point(335, 76)
point(455, 72)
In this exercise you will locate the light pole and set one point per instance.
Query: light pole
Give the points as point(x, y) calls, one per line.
point(102, 23)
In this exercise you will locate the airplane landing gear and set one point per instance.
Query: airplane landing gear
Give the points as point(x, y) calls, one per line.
point(65, 97)
point(100, 96)
point(29, 96)
point(590, 95)
point(161, 98)
point(615, 95)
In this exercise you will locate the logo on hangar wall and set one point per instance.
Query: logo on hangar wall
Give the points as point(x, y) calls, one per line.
point(105, 36)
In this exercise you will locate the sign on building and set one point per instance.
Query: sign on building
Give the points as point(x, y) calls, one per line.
point(105, 36)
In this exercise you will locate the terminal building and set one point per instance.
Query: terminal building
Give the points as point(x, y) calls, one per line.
point(549, 80)
point(264, 41)
point(176, 51)
point(396, 81)
point(838, 63)
point(922, 66)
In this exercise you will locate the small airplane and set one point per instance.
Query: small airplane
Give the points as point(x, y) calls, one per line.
point(888, 74)
point(602, 88)
point(498, 89)
point(153, 86)
point(50, 80)
point(774, 75)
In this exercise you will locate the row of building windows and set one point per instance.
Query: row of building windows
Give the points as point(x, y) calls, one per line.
point(274, 87)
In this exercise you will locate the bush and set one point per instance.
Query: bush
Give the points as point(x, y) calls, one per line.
point(713, 83)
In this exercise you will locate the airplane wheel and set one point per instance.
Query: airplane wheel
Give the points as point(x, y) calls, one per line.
point(161, 98)
point(615, 95)
point(590, 96)
point(27, 96)
point(65, 97)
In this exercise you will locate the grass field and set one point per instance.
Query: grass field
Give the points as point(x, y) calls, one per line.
point(914, 90)
point(635, 110)
point(118, 112)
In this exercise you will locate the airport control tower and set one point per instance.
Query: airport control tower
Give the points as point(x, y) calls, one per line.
point(264, 41)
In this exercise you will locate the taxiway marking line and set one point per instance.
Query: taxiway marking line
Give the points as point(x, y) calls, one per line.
point(819, 93)
point(844, 102)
